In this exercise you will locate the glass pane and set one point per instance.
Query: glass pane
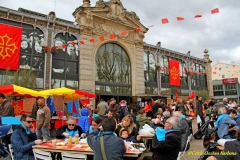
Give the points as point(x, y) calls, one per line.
point(56, 83)
point(58, 66)
point(109, 89)
point(72, 84)
point(146, 76)
point(25, 61)
point(113, 65)
point(147, 90)
point(100, 89)
point(40, 82)
point(71, 67)
point(155, 90)
point(72, 53)
point(152, 66)
point(38, 63)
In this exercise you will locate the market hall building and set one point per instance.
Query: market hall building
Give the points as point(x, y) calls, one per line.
point(103, 52)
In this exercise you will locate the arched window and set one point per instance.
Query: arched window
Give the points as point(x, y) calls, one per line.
point(150, 74)
point(65, 61)
point(112, 70)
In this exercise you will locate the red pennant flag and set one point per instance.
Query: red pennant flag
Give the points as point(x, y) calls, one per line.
point(112, 36)
point(164, 20)
point(191, 68)
point(137, 29)
point(191, 73)
point(174, 73)
point(199, 73)
point(198, 16)
point(64, 46)
point(74, 109)
point(72, 43)
point(56, 47)
point(81, 42)
point(150, 26)
point(10, 41)
point(163, 69)
point(192, 95)
point(216, 10)
point(91, 40)
point(180, 18)
point(101, 38)
point(124, 33)
point(184, 72)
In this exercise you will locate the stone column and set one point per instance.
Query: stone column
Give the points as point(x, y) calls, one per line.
point(139, 72)
point(209, 73)
point(48, 61)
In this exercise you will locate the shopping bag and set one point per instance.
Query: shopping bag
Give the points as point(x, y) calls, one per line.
point(199, 119)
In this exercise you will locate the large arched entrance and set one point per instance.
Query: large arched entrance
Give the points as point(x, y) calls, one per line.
point(113, 73)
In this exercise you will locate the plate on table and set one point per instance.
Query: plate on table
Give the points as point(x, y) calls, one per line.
point(137, 146)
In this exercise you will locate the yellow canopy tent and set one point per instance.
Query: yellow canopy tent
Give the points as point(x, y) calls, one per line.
point(18, 91)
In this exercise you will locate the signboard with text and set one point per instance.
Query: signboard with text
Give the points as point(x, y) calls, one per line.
point(230, 80)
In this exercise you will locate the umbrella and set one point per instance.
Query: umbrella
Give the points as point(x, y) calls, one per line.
point(67, 93)
point(18, 91)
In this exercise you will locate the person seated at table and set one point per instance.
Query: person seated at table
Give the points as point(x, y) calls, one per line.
point(142, 119)
point(84, 121)
point(223, 125)
point(113, 146)
point(167, 142)
point(126, 137)
point(157, 121)
point(128, 123)
point(96, 124)
point(232, 147)
point(23, 139)
point(184, 129)
point(166, 115)
point(69, 130)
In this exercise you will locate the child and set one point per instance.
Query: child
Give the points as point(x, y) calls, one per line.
point(125, 136)
point(83, 121)
point(157, 122)
point(95, 113)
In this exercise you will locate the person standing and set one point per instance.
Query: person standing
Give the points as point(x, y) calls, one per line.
point(113, 107)
point(43, 120)
point(156, 106)
point(102, 107)
point(6, 108)
point(23, 138)
point(199, 109)
point(34, 110)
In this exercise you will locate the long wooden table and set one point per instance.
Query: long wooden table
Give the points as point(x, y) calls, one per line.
point(81, 148)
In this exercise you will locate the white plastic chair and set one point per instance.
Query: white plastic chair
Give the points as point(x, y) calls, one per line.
point(71, 156)
point(181, 154)
point(41, 154)
point(11, 151)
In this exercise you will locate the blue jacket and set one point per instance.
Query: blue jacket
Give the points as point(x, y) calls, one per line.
point(224, 126)
point(83, 121)
point(238, 121)
point(22, 143)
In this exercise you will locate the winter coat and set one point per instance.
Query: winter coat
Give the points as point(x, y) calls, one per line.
point(142, 120)
point(22, 143)
point(6, 109)
point(83, 121)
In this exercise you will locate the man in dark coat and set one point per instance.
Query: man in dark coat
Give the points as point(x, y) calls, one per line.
point(6, 108)
point(156, 106)
point(229, 147)
point(167, 145)
point(34, 110)
point(199, 110)
point(114, 107)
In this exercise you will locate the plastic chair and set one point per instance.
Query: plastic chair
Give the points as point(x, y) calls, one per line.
point(39, 154)
point(11, 151)
point(181, 154)
point(71, 156)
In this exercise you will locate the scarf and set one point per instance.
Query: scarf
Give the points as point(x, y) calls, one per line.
point(161, 133)
point(220, 119)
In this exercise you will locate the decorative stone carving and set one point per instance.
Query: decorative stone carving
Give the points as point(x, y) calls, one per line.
point(100, 3)
point(116, 10)
point(86, 30)
point(86, 3)
point(51, 17)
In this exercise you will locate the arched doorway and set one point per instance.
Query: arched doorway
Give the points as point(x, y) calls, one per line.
point(113, 73)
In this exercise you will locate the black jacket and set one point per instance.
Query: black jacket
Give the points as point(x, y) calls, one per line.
point(63, 129)
point(169, 148)
point(231, 146)
point(185, 132)
point(199, 108)
point(155, 108)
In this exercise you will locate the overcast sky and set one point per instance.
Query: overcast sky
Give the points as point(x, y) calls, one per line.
point(219, 33)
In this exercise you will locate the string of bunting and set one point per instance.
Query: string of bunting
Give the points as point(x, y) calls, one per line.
point(213, 11)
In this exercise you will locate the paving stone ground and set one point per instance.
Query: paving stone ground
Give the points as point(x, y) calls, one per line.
point(195, 146)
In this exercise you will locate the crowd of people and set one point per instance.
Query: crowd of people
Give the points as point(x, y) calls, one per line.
point(113, 124)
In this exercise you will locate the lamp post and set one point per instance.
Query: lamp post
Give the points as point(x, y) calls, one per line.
point(189, 73)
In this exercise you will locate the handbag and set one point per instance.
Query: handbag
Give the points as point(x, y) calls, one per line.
point(102, 148)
